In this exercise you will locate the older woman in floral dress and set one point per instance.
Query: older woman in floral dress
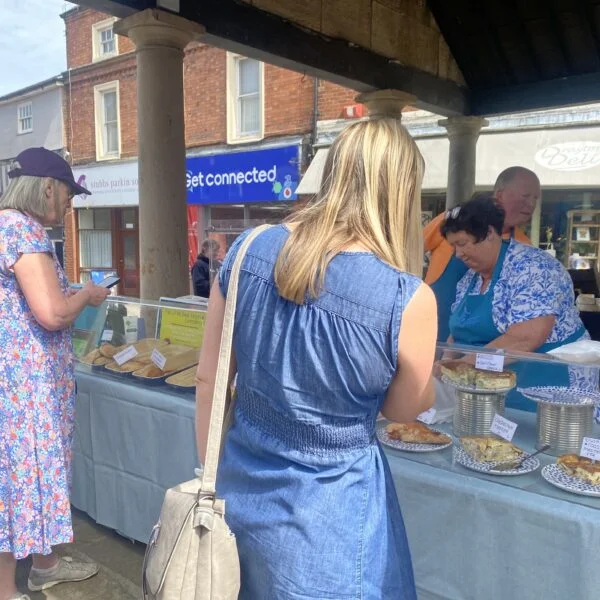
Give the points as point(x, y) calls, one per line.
point(37, 386)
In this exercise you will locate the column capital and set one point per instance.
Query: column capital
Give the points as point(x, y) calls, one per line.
point(386, 103)
point(153, 27)
point(463, 125)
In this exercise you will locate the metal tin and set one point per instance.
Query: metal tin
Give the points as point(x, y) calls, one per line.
point(475, 412)
point(563, 427)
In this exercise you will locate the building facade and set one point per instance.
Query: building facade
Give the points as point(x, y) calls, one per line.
point(249, 126)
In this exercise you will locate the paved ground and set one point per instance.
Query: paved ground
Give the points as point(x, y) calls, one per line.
point(120, 565)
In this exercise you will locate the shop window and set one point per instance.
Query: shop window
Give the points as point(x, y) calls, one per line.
point(95, 241)
point(25, 118)
point(106, 101)
point(245, 99)
point(104, 40)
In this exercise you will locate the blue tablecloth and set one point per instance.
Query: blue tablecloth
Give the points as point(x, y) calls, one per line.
point(472, 536)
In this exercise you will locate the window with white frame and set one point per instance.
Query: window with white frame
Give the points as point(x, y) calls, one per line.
point(104, 40)
point(106, 105)
point(25, 118)
point(245, 99)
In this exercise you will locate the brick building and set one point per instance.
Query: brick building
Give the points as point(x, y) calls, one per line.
point(249, 130)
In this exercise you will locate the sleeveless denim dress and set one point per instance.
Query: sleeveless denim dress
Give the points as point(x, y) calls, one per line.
point(308, 490)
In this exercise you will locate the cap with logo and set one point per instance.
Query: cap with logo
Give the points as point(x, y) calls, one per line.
point(40, 162)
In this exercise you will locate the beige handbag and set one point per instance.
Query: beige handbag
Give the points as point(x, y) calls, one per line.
point(192, 554)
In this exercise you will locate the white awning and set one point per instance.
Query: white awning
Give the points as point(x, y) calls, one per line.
point(311, 182)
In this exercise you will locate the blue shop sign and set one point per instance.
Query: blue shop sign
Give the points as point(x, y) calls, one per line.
point(258, 176)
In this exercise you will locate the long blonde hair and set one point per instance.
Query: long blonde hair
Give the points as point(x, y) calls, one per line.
point(370, 194)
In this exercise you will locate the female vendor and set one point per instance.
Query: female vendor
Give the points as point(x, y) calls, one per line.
point(513, 296)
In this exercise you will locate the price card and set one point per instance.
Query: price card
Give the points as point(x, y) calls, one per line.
point(107, 335)
point(503, 427)
point(158, 359)
point(427, 417)
point(122, 357)
point(490, 362)
point(590, 448)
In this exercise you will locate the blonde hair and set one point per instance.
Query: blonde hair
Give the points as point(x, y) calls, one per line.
point(27, 194)
point(370, 194)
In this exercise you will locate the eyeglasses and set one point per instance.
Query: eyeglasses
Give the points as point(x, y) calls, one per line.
point(453, 213)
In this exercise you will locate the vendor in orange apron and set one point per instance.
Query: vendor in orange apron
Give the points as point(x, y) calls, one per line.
point(513, 296)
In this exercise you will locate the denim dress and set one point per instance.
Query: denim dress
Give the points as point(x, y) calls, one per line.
point(308, 490)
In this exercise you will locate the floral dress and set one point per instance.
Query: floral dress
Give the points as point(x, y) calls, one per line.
point(37, 398)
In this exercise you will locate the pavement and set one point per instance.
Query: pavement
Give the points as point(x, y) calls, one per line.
point(120, 563)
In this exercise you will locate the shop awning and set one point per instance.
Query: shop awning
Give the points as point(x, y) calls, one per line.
point(310, 183)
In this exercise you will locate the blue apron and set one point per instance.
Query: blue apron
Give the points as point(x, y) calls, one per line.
point(472, 323)
point(445, 293)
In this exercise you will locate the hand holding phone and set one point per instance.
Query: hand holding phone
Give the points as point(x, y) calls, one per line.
point(109, 281)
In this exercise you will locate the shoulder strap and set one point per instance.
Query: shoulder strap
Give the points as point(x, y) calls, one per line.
point(217, 413)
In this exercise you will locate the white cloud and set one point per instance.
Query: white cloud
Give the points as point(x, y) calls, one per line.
point(32, 44)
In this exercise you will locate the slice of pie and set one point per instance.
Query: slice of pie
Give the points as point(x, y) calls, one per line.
point(580, 467)
point(416, 433)
point(458, 373)
point(490, 449)
point(465, 375)
point(492, 380)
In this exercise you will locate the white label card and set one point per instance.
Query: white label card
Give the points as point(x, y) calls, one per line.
point(590, 448)
point(158, 359)
point(427, 417)
point(122, 357)
point(490, 362)
point(503, 427)
point(107, 335)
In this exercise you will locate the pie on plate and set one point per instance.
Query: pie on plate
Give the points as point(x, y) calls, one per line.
point(465, 375)
point(490, 449)
point(416, 433)
point(580, 467)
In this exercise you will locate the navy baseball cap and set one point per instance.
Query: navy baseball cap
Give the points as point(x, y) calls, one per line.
point(40, 162)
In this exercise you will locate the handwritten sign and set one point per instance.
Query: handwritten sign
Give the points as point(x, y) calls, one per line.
point(503, 427)
point(490, 362)
point(590, 448)
point(184, 327)
point(159, 359)
point(427, 417)
point(107, 335)
point(122, 357)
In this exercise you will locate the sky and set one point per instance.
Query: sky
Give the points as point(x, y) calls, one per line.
point(32, 44)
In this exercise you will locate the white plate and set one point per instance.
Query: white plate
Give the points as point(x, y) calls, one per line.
point(463, 458)
point(554, 475)
point(472, 390)
point(408, 446)
point(561, 396)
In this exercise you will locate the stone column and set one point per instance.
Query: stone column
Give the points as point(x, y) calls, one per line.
point(160, 38)
point(386, 103)
point(462, 133)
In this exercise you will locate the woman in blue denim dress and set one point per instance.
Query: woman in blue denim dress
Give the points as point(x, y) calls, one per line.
point(331, 328)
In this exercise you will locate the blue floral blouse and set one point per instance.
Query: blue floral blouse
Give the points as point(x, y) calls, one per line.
point(531, 284)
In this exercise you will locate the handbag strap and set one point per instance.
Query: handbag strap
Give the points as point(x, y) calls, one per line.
point(219, 401)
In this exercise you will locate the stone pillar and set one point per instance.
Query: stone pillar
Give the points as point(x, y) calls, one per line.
point(386, 103)
point(160, 38)
point(462, 133)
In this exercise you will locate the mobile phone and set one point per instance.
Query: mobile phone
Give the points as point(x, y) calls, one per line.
point(110, 281)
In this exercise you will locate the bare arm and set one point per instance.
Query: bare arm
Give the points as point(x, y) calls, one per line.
point(412, 391)
point(51, 308)
point(527, 336)
point(207, 366)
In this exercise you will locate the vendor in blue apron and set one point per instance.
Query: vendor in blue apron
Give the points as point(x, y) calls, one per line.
point(513, 296)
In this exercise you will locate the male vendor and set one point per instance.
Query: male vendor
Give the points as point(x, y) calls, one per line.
point(517, 190)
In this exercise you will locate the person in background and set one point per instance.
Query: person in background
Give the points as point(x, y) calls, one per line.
point(37, 382)
point(513, 296)
point(517, 191)
point(319, 351)
point(205, 265)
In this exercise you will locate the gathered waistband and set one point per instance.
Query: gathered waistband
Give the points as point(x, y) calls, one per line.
point(300, 435)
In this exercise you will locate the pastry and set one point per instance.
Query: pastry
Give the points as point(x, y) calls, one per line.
point(580, 467)
point(415, 433)
point(490, 449)
point(109, 351)
point(465, 375)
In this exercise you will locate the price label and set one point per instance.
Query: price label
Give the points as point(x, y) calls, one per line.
point(427, 417)
point(590, 448)
point(503, 427)
point(490, 362)
point(107, 335)
point(158, 359)
point(122, 357)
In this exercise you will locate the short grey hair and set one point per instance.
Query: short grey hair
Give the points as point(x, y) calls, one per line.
point(508, 176)
point(27, 194)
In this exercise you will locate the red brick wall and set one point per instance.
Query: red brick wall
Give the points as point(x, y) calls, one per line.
point(333, 98)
